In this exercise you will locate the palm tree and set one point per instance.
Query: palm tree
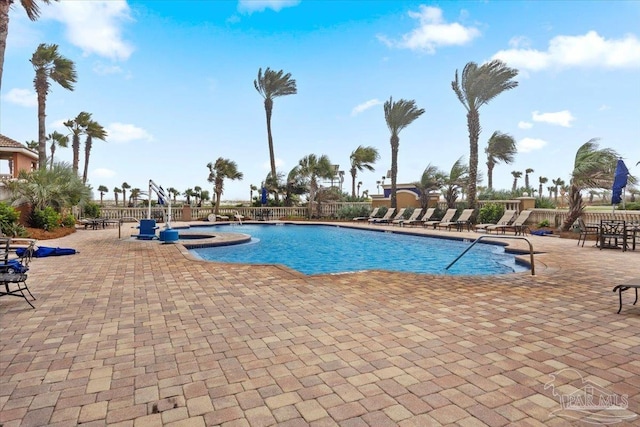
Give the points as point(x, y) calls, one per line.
point(77, 127)
point(398, 116)
point(116, 191)
point(124, 187)
point(542, 180)
point(362, 158)
point(477, 86)
point(527, 171)
point(516, 175)
point(57, 139)
point(551, 189)
point(270, 85)
point(102, 189)
point(432, 179)
point(94, 130)
point(557, 183)
point(174, 193)
point(33, 12)
point(312, 167)
point(295, 187)
point(32, 145)
point(457, 179)
point(359, 185)
point(188, 193)
point(501, 147)
point(49, 65)
point(133, 197)
point(218, 172)
point(593, 168)
point(197, 190)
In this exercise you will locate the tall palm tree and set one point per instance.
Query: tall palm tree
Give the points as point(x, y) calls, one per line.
point(174, 193)
point(359, 185)
point(197, 190)
point(398, 116)
point(33, 12)
point(273, 84)
point(313, 167)
point(218, 172)
point(94, 131)
point(516, 176)
point(296, 186)
point(457, 179)
point(527, 171)
point(102, 189)
point(542, 180)
point(188, 193)
point(501, 147)
point(133, 197)
point(77, 126)
point(57, 140)
point(557, 183)
point(362, 158)
point(125, 187)
point(116, 191)
point(593, 168)
point(32, 145)
point(479, 85)
point(432, 179)
point(49, 65)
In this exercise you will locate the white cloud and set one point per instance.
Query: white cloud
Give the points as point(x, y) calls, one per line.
point(103, 173)
point(365, 106)
point(103, 69)
point(250, 6)
point(267, 165)
point(22, 97)
point(604, 107)
point(94, 26)
point(121, 132)
point(432, 32)
point(525, 125)
point(589, 50)
point(526, 145)
point(561, 118)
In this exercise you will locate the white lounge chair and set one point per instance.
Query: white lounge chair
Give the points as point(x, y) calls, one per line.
point(414, 216)
point(387, 216)
point(448, 216)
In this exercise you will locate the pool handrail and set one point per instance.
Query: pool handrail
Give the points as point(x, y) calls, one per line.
point(533, 268)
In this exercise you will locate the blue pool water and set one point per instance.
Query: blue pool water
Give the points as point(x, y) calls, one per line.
point(313, 249)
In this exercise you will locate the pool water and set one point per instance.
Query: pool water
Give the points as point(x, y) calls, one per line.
point(317, 249)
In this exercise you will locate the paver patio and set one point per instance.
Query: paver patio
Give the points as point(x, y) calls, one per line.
point(138, 333)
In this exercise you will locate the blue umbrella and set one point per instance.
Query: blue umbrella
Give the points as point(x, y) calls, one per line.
point(263, 200)
point(619, 182)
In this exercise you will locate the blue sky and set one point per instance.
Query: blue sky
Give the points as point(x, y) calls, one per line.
point(172, 82)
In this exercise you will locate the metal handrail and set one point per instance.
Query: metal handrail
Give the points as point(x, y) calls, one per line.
point(533, 268)
point(121, 220)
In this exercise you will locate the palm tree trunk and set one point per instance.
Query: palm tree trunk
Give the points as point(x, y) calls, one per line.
point(473, 124)
point(53, 150)
point(540, 190)
point(576, 208)
point(4, 31)
point(353, 182)
point(42, 132)
point(87, 152)
point(395, 144)
point(75, 146)
point(490, 166)
point(218, 195)
point(268, 108)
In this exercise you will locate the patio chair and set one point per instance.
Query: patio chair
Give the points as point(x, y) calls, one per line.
point(588, 230)
point(504, 220)
point(462, 220)
point(13, 271)
point(517, 225)
point(373, 214)
point(613, 234)
point(414, 216)
point(426, 217)
point(398, 216)
point(387, 216)
point(448, 216)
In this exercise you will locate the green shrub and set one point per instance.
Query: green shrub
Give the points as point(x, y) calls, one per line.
point(8, 218)
point(408, 212)
point(69, 221)
point(490, 213)
point(47, 218)
point(92, 210)
point(15, 230)
point(544, 223)
point(633, 206)
point(350, 212)
point(545, 203)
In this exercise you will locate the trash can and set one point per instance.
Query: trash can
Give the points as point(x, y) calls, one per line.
point(169, 235)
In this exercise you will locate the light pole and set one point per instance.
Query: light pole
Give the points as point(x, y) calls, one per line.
point(378, 184)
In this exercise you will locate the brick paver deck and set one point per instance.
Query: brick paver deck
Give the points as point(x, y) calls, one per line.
point(137, 333)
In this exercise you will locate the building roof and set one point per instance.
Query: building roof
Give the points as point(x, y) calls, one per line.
point(11, 145)
point(5, 141)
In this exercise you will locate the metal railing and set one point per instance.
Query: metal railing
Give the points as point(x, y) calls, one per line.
point(533, 268)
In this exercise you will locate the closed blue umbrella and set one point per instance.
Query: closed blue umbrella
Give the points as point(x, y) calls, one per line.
point(619, 182)
point(263, 199)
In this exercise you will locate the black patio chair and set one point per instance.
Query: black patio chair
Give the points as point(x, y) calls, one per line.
point(13, 271)
point(587, 230)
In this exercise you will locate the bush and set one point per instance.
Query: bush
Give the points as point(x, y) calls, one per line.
point(47, 218)
point(545, 203)
point(15, 230)
point(544, 223)
point(8, 218)
point(490, 213)
point(69, 221)
point(633, 206)
point(350, 212)
point(92, 210)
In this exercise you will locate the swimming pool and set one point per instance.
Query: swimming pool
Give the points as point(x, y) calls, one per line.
point(317, 249)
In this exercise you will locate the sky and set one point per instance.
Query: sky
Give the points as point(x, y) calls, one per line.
point(173, 84)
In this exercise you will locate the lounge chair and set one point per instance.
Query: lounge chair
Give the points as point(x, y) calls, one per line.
point(414, 216)
point(463, 220)
point(373, 214)
point(387, 216)
point(426, 217)
point(504, 220)
point(448, 216)
point(398, 216)
point(517, 226)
